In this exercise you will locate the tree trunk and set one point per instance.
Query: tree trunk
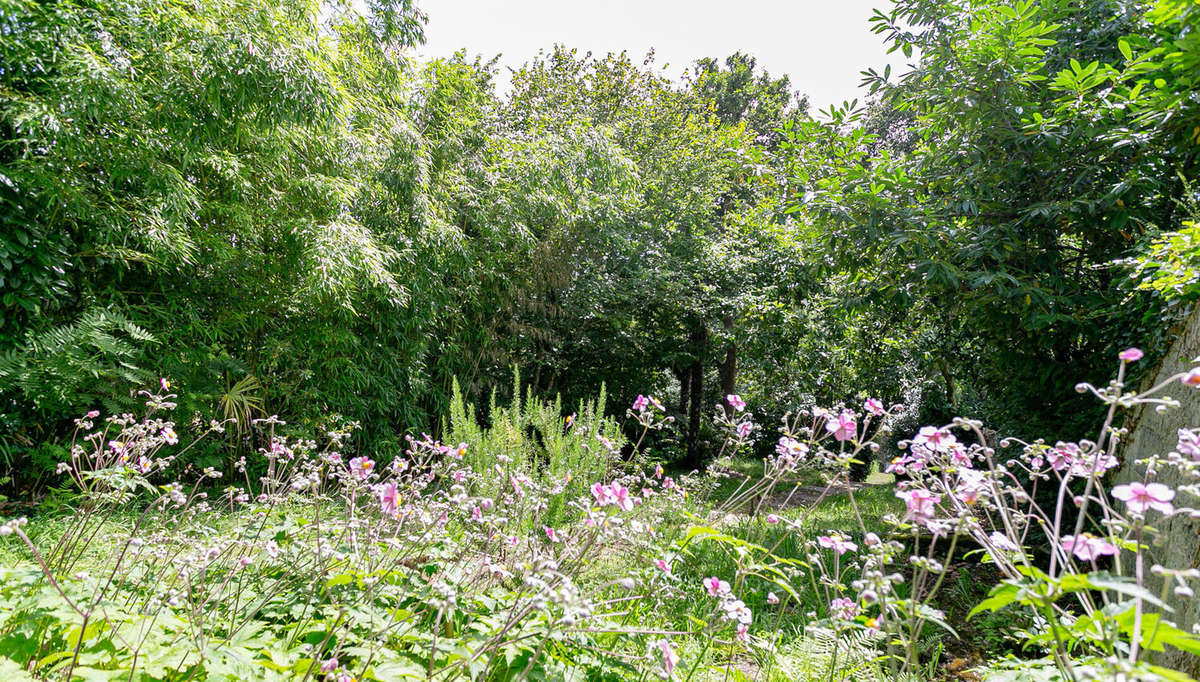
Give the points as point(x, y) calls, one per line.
point(699, 340)
point(1155, 433)
point(685, 378)
point(729, 366)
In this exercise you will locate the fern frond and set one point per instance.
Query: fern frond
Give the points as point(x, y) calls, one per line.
point(95, 358)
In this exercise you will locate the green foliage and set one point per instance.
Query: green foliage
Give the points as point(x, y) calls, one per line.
point(185, 167)
point(279, 193)
point(75, 367)
point(850, 656)
point(987, 194)
point(1170, 265)
point(535, 439)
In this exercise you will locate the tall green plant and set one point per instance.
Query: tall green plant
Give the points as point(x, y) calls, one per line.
point(537, 440)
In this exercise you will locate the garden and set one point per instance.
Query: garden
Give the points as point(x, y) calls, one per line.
point(320, 360)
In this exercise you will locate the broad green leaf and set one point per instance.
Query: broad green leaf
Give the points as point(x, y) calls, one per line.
point(1000, 596)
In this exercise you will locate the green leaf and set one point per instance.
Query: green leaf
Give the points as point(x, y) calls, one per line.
point(1168, 674)
point(340, 579)
point(9, 670)
point(1103, 580)
point(398, 669)
point(1001, 595)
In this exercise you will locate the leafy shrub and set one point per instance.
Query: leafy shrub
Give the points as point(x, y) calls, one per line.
point(76, 366)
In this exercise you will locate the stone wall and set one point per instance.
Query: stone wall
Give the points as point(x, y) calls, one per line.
point(1156, 433)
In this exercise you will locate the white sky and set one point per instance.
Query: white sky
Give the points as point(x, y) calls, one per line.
point(821, 45)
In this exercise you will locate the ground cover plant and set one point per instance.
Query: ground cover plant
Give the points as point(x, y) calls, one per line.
point(468, 561)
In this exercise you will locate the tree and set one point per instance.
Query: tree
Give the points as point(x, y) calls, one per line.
point(185, 166)
point(1031, 166)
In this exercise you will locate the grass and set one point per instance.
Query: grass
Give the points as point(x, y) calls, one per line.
point(792, 649)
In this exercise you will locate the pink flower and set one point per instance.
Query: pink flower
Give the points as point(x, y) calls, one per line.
point(919, 503)
point(736, 609)
point(166, 385)
point(121, 450)
point(743, 631)
point(844, 608)
point(92, 414)
point(1131, 355)
point(874, 407)
point(842, 426)
point(389, 498)
point(603, 494)
point(550, 534)
point(772, 598)
point(772, 519)
point(1139, 497)
point(1192, 378)
point(959, 456)
point(1001, 541)
point(935, 439)
point(329, 665)
point(518, 482)
point(280, 450)
point(1189, 444)
point(736, 402)
point(715, 586)
point(641, 403)
point(837, 543)
point(744, 429)
point(1088, 546)
point(613, 493)
point(168, 434)
point(1062, 456)
point(971, 486)
point(790, 447)
point(1096, 463)
point(658, 471)
point(662, 565)
point(669, 658)
point(362, 466)
point(1069, 457)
